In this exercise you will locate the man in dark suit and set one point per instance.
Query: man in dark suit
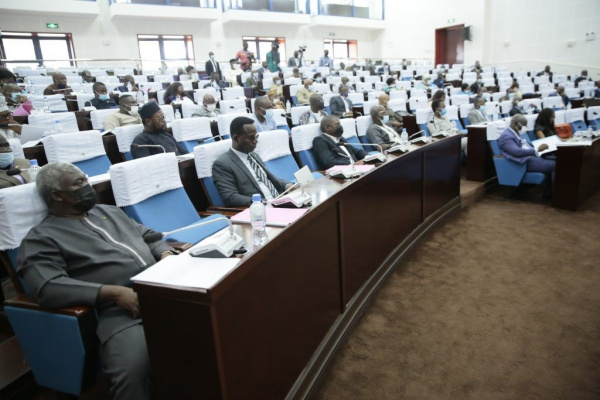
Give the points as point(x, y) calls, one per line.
point(330, 149)
point(341, 106)
point(240, 173)
point(212, 66)
point(13, 171)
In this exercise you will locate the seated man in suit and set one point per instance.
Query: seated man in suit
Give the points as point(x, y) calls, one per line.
point(379, 132)
point(13, 171)
point(83, 254)
point(154, 139)
point(209, 107)
point(476, 115)
point(101, 100)
point(330, 149)
point(59, 85)
point(513, 147)
point(341, 106)
point(240, 173)
point(316, 112)
point(127, 114)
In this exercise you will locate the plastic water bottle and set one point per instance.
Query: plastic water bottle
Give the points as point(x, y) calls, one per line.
point(33, 170)
point(128, 86)
point(258, 218)
point(58, 126)
point(590, 132)
point(404, 137)
point(31, 87)
point(46, 105)
point(288, 106)
point(177, 114)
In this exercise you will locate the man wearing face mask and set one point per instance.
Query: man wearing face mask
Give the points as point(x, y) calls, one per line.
point(13, 171)
point(276, 87)
point(325, 61)
point(477, 114)
point(59, 85)
point(231, 74)
point(263, 115)
point(317, 111)
point(212, 66)
point(341, 106)
point(379, 132)
point(154, 134)
point(209, 107)
point(303, 94)
point(127, 114)
point(101, 100)
point(330, 149)
point(520, 150)
point(16, 100)
point(87, 77)
point(83, 254)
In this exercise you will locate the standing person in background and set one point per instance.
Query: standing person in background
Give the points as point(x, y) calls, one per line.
point(273, 58)
point(295, 60)
point(245, 58)
point(326, 61)
point(212, 66)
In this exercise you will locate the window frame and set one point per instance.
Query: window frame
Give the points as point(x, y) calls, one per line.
point(347, 42)
point(35, 38)
point(188, 41)
point(266, 39)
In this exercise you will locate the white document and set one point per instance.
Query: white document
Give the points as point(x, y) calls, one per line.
point(32, 134)
point(187, 271)
point(304, 176)
point(551, 141)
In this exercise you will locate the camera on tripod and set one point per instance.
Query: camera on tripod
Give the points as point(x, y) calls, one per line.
point(301, 49)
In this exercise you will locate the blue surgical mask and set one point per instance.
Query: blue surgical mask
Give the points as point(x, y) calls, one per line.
point(482, 109)
point(310, 88)
point(385, 119)
point(212, 57)
point(345, 94)
point(443, 112)
point(6, 159)
point(268, 114)
point(15, 96)
point(103, 97)
point(511, 96)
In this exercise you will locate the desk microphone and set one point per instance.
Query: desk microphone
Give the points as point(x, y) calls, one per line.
point(414, 134)
point(343, 153)
point(13, 172)
point(226, 245)
point(200, 141)
point(135, 146)
point(366, 144)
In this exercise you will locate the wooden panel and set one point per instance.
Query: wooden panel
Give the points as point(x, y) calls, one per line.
point(441, 174)
point(480, 164)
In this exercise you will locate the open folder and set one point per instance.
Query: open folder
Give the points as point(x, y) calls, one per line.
point(275, 216)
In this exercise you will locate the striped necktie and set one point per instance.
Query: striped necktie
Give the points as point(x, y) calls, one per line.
point(262, 176)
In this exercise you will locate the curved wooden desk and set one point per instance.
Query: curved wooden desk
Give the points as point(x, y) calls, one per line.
point(267, 330)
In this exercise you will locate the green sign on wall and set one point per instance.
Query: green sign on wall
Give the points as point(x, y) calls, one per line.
point(52, 26)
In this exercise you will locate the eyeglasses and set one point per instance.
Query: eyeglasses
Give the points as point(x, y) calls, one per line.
point(160, 118)
point(253, 137)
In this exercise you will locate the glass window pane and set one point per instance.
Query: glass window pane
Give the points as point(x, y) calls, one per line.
point(16, 34)
point(150, 54)
point(340, 50)
point(55, 50)
point(263, 49)
point(51, 35)
point(19, 49)
point(173, 37)
point(174, 49)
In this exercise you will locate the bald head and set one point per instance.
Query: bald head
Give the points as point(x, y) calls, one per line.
point(517, 122)
point(307, 82)
point(376, 112)
point(316, 101)
point(208, 99)
point(383, 100)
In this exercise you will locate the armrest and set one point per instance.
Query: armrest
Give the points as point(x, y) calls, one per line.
point(226, 211)
point(22, 301)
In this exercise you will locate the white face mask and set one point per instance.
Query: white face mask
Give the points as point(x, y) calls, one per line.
point(211, 107)
point(133, 110)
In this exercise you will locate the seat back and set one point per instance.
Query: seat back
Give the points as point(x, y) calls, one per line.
point(575, 117)
point(83, 98)
point(84, 149)
point(224, 121)
point(125, 136)
point(204, 158)
point(187, 109)
point(163, 78)
point(169, 112)
point(417, 103)
point(368, 104)
point(302, 139)
point(362, 124)
point(423, 116)
point(231, 93)
point(459, 99)
point(274, 149)
point(364, 86)
point(191, 130)
point(233, 106)
point(374, 95)
point(297, 112)
point(356, 98)
point(398, 105)
point(321, 88)
point(554, 102)
point(199, 94)
point(99, 116)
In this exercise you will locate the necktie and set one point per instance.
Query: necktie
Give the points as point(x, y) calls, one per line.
point(262, 176)
point(214, 66)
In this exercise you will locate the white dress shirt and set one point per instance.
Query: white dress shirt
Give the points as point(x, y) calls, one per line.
point(264, 188)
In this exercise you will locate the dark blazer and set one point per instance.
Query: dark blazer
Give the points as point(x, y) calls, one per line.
point(208, 67)
point(327, 153)
point(336, 105)
point(10, 181)
point(235, 183)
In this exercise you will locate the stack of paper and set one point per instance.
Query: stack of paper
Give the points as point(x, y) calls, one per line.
point(275, 216)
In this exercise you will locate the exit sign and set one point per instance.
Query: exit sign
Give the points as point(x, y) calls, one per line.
point(52, 26)
point(451, 20)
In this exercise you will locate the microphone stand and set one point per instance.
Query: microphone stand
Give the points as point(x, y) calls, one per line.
point(135, 146)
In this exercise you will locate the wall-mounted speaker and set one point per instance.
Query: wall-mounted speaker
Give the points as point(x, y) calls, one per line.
point(468, 33)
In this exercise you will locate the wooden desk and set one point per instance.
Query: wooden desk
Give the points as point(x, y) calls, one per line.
point(480, 164)
point(577, 175)
point(578, 103)
point(266, 330)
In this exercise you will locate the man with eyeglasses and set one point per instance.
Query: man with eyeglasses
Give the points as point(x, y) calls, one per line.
point(9, 128)
point(13, 171)
point(127, 114)
point(240, 173)
point(154, 139)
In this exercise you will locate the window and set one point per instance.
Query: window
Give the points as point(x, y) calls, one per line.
point(260, 46)
point(37, 49)
point(298, 7)
point(338, 48)
point(353, 8)
point(178, 3)
point(175, 50)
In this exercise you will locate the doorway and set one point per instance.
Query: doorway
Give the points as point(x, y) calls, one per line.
point(449, 45)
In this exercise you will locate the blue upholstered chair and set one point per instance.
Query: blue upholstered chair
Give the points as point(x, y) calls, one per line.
point(302, 139)
point(125, 136)
point(575, 117)
point(593, 116)
point(191, 132)
point(150, 191)
point(511, 173)
point(84, 149)
point(59, 345)
point(204, 158)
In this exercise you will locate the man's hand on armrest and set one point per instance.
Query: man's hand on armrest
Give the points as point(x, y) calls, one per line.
point(125, 298)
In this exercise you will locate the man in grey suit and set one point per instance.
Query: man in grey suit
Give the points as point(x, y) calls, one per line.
point(295, 60)
point(240, 173)
point(476, 115)
point(341, 106)
point(212, 66)
point(83, 254)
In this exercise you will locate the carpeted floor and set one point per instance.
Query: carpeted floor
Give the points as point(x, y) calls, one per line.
point(500, 302)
